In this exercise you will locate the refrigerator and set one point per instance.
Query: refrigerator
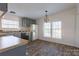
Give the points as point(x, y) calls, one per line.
point(34, 31)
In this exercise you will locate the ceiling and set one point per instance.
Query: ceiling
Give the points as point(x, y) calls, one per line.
point(37, 10)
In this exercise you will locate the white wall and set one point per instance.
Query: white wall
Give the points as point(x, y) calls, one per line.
point(68, 18)
point(77, 26)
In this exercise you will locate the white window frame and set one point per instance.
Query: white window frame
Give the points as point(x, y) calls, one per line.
point(49, 34)
point(9, 24)
point(56, 29)
point(52, 35)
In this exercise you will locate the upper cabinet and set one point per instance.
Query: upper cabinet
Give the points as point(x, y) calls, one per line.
point(27, 22)
point(3, 9)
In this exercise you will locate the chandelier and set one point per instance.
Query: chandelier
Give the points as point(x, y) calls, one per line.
point(46, 19)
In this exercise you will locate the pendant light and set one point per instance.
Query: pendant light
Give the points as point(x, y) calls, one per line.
point(46, 17)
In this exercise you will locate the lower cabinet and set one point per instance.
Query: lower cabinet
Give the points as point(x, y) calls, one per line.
point(17, 34)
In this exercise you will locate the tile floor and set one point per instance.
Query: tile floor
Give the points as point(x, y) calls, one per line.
point(44, 48)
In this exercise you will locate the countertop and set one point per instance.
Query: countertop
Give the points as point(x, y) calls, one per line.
point(10, 42)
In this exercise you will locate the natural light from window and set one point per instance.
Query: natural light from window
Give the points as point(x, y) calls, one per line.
point(47, 29)
point(10, 23)
point(53, 29)
point(56, 29)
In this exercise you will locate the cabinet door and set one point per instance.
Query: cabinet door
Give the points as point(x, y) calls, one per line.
point(33, 21)
point(3, 7)
point(23, 21)
point(27, 22)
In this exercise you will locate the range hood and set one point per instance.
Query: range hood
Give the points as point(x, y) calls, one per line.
point(3, 9)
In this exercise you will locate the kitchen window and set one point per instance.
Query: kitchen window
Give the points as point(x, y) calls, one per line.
point(10, 23)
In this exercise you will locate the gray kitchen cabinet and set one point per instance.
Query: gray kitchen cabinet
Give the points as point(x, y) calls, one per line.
point(3, 7)
point(27, 22)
